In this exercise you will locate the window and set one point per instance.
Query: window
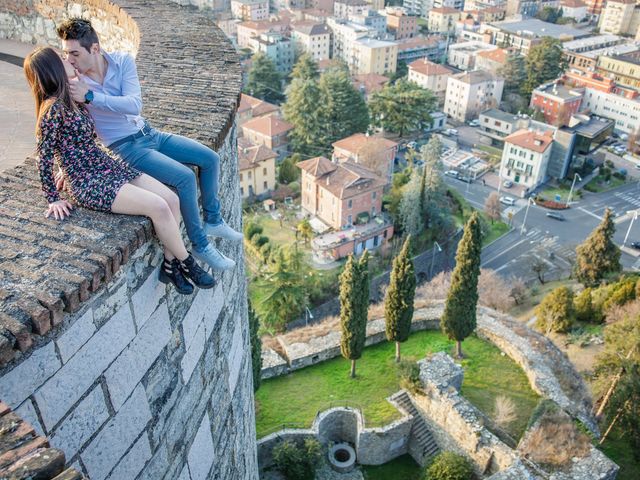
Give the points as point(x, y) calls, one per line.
point(264, 171)
point(249, 174)
point(373, 195)
point(265, 185)
point(241, 191)
point(373, 211)
point(349, 220)
point(241, 177)
point(350, 204)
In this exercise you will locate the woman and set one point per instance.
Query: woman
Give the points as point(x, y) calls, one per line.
point(66, 135)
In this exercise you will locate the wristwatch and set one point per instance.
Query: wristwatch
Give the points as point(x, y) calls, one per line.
point(88, 97)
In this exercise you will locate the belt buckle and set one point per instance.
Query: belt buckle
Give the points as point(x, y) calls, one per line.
point(143, 130)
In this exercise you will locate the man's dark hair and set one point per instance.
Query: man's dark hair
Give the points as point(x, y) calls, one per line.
point(78, 29)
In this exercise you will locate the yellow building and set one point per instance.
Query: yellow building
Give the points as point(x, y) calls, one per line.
point(257, 168)
point(624, 69)
point(373, 56)
point(443, 19)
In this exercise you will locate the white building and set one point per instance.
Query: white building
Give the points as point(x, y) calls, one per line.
point(342, 9)
point(622, 106)
point(430, 75)
point(621, 17)
point(372, 20)
point(575, 9)
point(313, 38)
point(418, 7)
point(525, 157)
point(344, 35)
point(470, 93)
point(463, 55)
point(250, 10)
point(277, 47)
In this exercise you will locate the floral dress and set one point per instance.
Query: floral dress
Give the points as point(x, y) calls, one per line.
point(92, 176)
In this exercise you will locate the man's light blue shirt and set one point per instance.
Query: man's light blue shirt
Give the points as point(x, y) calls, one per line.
point(117, 102)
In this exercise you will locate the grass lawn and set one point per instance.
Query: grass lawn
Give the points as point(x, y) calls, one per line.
point(401, 468)
point(550, 193)
point(494, 152)
point(299, 396)
point(496, 230)
point(598, 184)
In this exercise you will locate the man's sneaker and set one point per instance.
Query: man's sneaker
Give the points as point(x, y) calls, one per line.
point(170, 273)
point(212, 257)
point(197, 275)
point(222, 230)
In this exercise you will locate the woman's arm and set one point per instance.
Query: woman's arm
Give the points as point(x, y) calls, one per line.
point(48, 139)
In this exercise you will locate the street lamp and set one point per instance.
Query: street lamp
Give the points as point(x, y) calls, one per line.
point(526, 212)
point(634, 218)
point(499, 178)
point(573, 185)
point(433, 258)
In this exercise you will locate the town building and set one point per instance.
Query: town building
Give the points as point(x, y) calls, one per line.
point(624, 69)
point(279, 48)
point(344, 35)
point(525, 157)
point(470, 93)
point(492, 60)
point(576, 9)
point(400, 24)
point(457, 4)
point(369, 83)
point(347, 197)
point(372, 20)
point(272, 132)
point(251, 30)
point(497, 125)
point(583, 54)
point(432, 48)
point(374, 152)
point(373, 56)
point(250, 10)
point(486, 14)
point(594, 7)
point(430, 75)
point(529, 8)
point(256, 169)
point(312, 38)
point(420, 8)
point(621, 17)
point(463, 55)
point(557, 102)
point(251, 107)
point(443, 19)
point(342, 9)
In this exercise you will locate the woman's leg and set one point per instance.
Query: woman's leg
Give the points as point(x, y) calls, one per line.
point(152, 185)
point(133, 200)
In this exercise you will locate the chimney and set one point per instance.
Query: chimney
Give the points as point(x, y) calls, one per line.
point(328, 182)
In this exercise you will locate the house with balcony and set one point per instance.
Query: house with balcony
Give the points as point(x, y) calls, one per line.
point(348, 198)
point(371, 151)
point(525, 157)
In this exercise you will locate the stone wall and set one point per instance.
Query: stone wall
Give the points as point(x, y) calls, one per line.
point(130, 379)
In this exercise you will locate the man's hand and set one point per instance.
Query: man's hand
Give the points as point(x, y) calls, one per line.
point(78, 90)
point(60, 210)
point(59, 179)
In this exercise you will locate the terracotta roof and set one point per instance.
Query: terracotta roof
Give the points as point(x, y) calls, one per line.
point(444, 10)
point(343, 180)
point(258, 107)
point(535, 141)
point(573, 3)
point(250, 155)
point(499, 55)
point(372, 82)
point(417, 42)
point(269, 126)
point(355, 142)
point(427, 67)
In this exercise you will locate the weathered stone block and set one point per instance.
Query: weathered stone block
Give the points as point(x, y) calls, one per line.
point(146, 299)
point(201, 453)
point(192, 356)
point(133, 461)
point(76, 335)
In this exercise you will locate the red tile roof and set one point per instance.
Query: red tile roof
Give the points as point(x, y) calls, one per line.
point(250, 155)
point(427, 67)
point(355, 142)
point(268, 126)
point(535, 141)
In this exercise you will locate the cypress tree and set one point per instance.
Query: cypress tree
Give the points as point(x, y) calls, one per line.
point(353, 324)
point(598, 256)
point(256, 346)
point(398, 304)
point(459, 318)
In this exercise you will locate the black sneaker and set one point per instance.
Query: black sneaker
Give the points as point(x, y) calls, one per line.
point(196, 274)
point(171, 273)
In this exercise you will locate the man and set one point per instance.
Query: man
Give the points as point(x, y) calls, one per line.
point(109, 86)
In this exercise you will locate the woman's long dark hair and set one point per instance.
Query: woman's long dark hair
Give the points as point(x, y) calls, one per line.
point(48, 81)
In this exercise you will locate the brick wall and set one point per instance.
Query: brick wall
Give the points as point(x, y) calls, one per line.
point(129, 379)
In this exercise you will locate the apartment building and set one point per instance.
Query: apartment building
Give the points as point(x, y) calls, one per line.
point(256, 169)
point(463, 55)
point(279, 48)
point(431, 48)
point(250, 30)
point(576, 9)
point(272, 132)
point(312, 38)
point(443, 19)
point(557, 102)
point(400, 24)
point(373, 56)
point(470, 93)
point(430, 75)
point(457, 4)
point(420, 8)
point(492, 60)
point(583, 53)
point(372, 20)
point(344, 34)
point(624, 69)
point(250, 10)
point(342, 9)
point(525, 157)
point(621, 17)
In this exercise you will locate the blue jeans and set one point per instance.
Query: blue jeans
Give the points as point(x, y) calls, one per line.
point(164, 156)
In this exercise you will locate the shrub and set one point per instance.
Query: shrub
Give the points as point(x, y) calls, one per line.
point(409, 373)
point(251, 229)
point(555, 312)
point(583, 305)
point(297, 463)
point(504, 412)
point(449, 466)
point(259, 240)
point(623, 292)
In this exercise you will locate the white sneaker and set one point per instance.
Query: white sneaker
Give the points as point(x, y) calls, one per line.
point(222, 230)
point(214, 258)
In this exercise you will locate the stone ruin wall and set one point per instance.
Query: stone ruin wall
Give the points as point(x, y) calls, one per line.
point(130, 379)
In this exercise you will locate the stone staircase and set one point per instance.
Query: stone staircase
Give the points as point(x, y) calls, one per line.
point(420, 430)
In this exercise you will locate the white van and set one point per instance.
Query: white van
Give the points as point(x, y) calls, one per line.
point(508, 201)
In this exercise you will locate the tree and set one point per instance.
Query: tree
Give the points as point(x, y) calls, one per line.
point(342, 110)
point(283, 292)
point(302, 110)
point(431, 184)
point(398, 304)
point(539, 267)
point(256, 346)
point(549, 14)
point(598, 256)
point(409, 209)
point(305, 68)
point(305, 230)
point(624, 408)
point(513, 72)
point(492, 207)
point(288, 172)
point(449, 466)
point(583, 306)
point(353, 322)
point(297, 463)
point(264, 82)
point(459, 318)
point(544, 62)
point(556, 313)
point(402, 107)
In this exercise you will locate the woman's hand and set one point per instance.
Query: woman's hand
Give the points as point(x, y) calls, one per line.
point(60, 209)
point(59, 179)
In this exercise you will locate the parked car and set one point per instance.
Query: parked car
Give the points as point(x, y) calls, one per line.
point(635, 245)
point(556, 216)
point(474, 123)
point(452, 173)
point(451, 132)
point(507, 184)
point(620, 149)
point(508, 201)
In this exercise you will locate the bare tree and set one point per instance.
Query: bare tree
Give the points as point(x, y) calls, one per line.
point(518, 290)
point(492, 207)
point(539, 267)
